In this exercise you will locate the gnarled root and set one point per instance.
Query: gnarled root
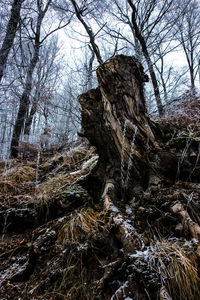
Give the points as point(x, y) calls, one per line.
point(128, 235)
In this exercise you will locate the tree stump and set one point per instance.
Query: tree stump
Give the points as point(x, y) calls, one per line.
point(114, 120)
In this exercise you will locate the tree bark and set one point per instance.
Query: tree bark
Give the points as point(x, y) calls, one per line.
point(24, 103)
point(193, 227)
point(133, 162)
point(10, 34)
point(29, 119)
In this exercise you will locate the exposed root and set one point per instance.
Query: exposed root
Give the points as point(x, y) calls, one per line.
point(110, 269)
point(193, 227)
point(128, 235)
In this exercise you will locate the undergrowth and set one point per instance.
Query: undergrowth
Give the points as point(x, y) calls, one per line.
point(187, 112)
point(174, 266)
point(13, 178)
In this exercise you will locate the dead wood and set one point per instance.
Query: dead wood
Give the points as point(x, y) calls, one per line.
point(193, 227)
point(127, 234)
point(129, 144)
point(110, 269)
point(114, 120)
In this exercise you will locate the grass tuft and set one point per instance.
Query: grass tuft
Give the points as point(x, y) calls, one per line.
point(176, 268)
point(13, 178)
point(80, 227)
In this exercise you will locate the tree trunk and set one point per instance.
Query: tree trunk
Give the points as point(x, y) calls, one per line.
point(10, 34)
point(23, 107)
point(89, 32)
point(147, 58)
point(24, 100)
point(114, 120)
point(29, 119)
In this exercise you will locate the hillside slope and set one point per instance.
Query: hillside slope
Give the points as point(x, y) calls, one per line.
point(116, 221)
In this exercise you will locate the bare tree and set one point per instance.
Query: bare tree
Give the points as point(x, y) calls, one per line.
point(24, 100)
point(145, 51)
point(38, 31)
point(79, 14)
point(10, 34)
point(47, 75)
point(142, 33)
point(186, 31)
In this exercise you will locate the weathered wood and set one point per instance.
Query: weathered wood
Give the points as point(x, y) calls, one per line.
point(164, 295)
point(193, 227)
point(129, 144)
point(133, 158)
point(127, 234)
point(114, 119)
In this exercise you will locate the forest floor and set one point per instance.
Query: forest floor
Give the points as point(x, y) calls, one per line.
point(58, 241)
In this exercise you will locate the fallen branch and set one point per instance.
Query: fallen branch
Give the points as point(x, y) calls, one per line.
point(186, 220)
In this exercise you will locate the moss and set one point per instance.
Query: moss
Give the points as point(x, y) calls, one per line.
point(179, 139)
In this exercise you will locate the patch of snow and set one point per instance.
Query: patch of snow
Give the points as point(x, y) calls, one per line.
point(48, 233)
point(128, 210)
point(113, 208)
point(81, 247)
point(110, 264)
point(189, 243)
point(128, 226)
point(142, 254)
point(61, 219)
point(128, 298)
point(75, 172)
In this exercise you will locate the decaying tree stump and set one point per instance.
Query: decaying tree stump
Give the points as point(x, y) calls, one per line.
point(114, 119)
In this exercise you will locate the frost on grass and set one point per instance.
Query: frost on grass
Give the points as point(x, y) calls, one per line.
point(173, 266)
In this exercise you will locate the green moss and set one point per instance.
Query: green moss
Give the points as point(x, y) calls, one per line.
point(180, 139)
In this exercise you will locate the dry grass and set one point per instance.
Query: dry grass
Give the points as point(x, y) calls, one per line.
point(19, 174)
point(57, 185)
point(176, 268)
point(77, 154)
point(13, 178)
point(77, 235)
point(6, 187)
point(50, 188)
point(80, 227)
point(71, 159)
point(76, 281)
